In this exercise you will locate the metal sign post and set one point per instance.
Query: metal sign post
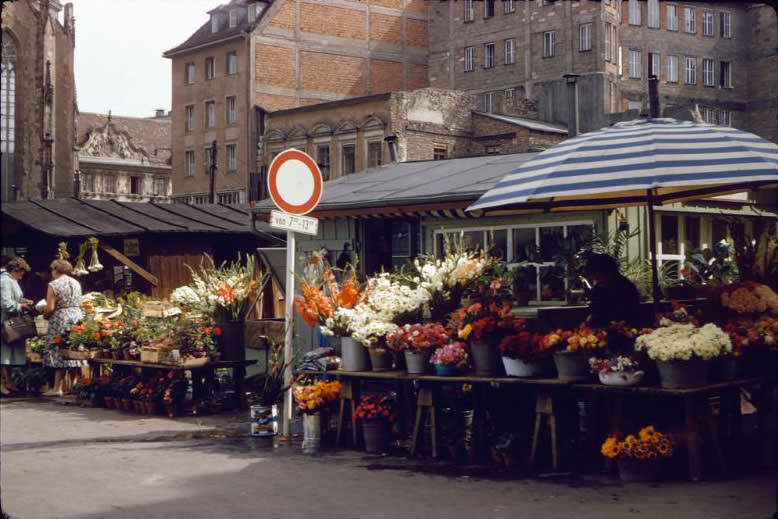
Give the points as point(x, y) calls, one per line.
point(289, 329)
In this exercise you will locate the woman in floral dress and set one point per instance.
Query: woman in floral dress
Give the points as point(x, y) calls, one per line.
point(63, 310)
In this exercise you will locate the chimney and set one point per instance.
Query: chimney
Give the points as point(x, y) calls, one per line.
point(653, 96)
point(572, 104)
point(159, 112)
point(391, 140)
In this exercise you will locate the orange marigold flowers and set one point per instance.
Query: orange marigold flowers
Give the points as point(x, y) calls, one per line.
point(648, 444)
point(312, 397)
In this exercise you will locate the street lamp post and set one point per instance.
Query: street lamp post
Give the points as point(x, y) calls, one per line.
point(212, 170)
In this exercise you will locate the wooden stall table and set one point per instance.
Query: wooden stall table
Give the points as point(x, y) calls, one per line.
point(698, 416)
point(202, 375)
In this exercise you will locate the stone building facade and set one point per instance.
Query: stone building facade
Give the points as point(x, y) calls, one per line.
point(255, 57)
point(124, 158)
point(38, 105)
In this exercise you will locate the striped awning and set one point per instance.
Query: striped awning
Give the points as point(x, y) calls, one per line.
point(662, 159)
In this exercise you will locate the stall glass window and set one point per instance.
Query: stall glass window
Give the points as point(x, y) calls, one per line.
point(669, 223)
point(692, 231)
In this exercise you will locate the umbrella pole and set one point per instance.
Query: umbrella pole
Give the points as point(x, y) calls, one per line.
point(652, 241)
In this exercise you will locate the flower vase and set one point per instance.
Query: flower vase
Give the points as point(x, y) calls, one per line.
point(311, 433)
point(232, 340)
point(355, 357)
point(446, 370)
point(678, 374)
point(620, 378)
point(377, 434)
point(380, 359)
point(519, 368)
point(417, 361)
point(631, 470)
point(486, 358)
point(572, 366)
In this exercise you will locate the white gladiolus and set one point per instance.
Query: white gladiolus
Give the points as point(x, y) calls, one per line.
point(682, 341)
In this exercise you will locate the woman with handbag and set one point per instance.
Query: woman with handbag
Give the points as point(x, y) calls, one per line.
point(12, 353)
point(63, 310)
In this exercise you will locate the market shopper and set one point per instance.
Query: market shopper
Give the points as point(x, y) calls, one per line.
point(613, 297)
point(13, 303)
point(63, 298)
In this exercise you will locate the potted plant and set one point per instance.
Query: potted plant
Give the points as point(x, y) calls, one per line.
point(683, 352)
point(312, 396)
point(174, 393)
point(573, 349)
point(639, 457)
point(450, 359)
point(618, 370)
point(485, 322)
point(271, 392)
point(377, 414)
point(417, 342)
point(524, 354)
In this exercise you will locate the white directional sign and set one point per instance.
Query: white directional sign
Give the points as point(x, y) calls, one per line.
point(293, 222)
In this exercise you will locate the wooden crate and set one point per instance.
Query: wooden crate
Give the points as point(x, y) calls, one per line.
point(159, 309)
point(152, 355)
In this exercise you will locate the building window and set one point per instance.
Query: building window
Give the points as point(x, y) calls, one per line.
point(210, 68)
point(87, 182)
point(634, 12)
point(707, 72)
point(510, 56)
point(488, 8)
point(190, 163)
point(726, 24)
point(654, 64)
point(509, 93)
point(635, 58)
point(715, 116)
point(672, 69)
point(725, 118)
point(707, 22)
point(189, 118)
point(653, 13)
point(135, 185)
point(8, 116)
point(439, 153)
point(510, 6)
point(549, 42)
point(348, 159)
point(690, 65)
point(210, 114)
point(689, 19)
point(232, 63)
point(160, 187)
point(607, 42)
point(725, 72)
point(323, 160)
point(373, 154)
point(190, 73)
point(232, 158)
point(469, 14)
point(232, 110)
point(233, 18)
point(109, 183)
point(489, 102)
point(469, 59)
point(672, 17)
point(584, 37)
point(488, 55)
point(215, 22)
point(493, 149)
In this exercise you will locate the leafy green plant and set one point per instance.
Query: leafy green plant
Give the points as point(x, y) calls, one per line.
point(714, 266)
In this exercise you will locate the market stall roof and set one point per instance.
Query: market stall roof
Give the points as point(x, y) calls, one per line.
point(70, 217)
point(434, 187)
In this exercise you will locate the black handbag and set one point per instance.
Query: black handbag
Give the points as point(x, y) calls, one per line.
point(18, 328)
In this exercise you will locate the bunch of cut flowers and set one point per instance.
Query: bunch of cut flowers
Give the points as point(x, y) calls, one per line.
point(485, 319)
point(417, 337)
point(311, 396)
point(647, 445)
point(617, 364)
point(452, 354)
point(376, 407)
point(526, 346)
point(580, 339)
point(750, 297)
point(683, 341)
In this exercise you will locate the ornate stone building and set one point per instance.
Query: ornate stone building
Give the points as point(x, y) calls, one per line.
point(124, 158)
point(37, 100)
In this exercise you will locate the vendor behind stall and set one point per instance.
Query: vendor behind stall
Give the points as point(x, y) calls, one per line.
point(613, 297)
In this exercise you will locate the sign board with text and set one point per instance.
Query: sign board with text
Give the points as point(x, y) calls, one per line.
point(293, 222)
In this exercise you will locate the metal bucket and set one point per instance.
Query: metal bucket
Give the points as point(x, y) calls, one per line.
point(418, 362)
point(311, 433)
point(676, 374)
point(486, 358)
point(354, 355)
point(264, 420)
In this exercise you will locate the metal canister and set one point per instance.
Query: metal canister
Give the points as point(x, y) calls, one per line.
point(264, 420)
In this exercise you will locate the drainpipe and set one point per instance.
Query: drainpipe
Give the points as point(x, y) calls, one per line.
point(653, 96)
point(572, 104)
point(391, 140)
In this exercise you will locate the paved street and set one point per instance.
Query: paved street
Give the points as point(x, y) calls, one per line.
point(69, 462)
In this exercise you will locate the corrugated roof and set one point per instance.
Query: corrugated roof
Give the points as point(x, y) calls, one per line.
point(422, 183)
point(532, 124)
point(69, 217)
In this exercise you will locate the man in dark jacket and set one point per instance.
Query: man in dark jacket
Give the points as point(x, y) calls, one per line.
point(613, 297)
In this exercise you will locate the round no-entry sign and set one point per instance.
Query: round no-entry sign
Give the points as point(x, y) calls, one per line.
point(294, 182)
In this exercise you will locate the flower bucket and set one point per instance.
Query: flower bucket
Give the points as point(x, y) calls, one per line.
point(232, 340)
point(620, 378)
point(677, 374)
point(311, 433)
point(377, 434)
point(380, 359)
point(632, 470)
point(486, 358)
point(724, 368)
point(264, 420)
point(355, 357)
point(446, 370)
point(417, 361)
point(572, 366)
point(519, 368)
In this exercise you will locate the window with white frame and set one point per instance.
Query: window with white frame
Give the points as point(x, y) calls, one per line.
point(488, 55)
point(215, 22)
point(549, 44)
point(584, 37)
point(690, 19)
point(509, 93)
point(374, 154)
point(323, 160)
point(716, 116)
point(634, 12)
point(109, 183)
point(136, 184)
point(681, 234)
point(672, 17)
point(726, 24)
point(232, 63)
point(210, 114)
point(232, 109)
point(635, 62)
point(672, 68)
point(653, 14)
point(469, 59)
point(348, 156)
point(510, 56)
point(190, 73)
point(189, 120)
point(690, 66)
point(489, 104)
point(725, 73)
point(614, 45)
point(488, 8)
point(707, 22)
point(607, 41)
point(207, 160)
point(439, 152)
point(190, 163)
point(233, 18)
point(707, 72)
point(160, 186)
point(654, 64)
point(87, 182)
point(469, 13)
point(232, 157)
point(724, 117)
point(210, 68)
point(510, 6)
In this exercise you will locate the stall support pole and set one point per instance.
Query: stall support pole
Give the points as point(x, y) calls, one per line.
point(657, 293)
point(289, 329)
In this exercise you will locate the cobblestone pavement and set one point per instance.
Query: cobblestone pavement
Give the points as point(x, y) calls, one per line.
point(70, 462)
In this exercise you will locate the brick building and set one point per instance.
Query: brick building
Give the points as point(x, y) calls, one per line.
point(124, 158)
point(254, 57)
point(37, 100)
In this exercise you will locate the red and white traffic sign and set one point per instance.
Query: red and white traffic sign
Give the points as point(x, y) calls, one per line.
point(294, 182)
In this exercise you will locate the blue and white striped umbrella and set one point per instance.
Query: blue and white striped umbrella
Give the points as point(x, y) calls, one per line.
point(634, 163)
